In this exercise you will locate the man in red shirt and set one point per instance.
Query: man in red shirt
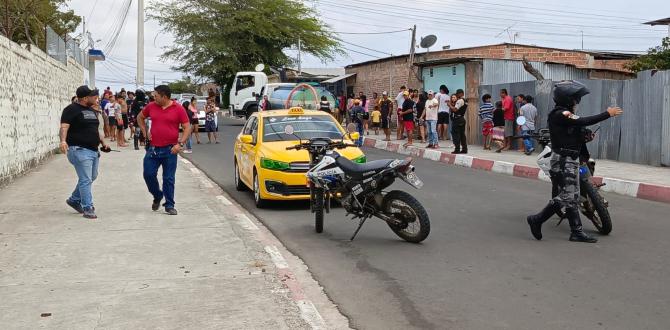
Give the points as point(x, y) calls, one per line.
point(163, 145)
point(508, 107)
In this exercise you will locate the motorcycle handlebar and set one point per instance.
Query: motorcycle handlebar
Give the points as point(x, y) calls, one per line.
point(331, 145)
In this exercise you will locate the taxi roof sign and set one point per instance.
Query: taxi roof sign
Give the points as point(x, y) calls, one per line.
point(296, 111)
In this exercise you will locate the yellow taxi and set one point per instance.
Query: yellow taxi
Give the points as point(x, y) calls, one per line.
point(262, 162)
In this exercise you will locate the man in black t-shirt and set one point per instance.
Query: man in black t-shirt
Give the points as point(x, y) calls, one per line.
point(408, 118)
point(386, 108)
point(79, 139)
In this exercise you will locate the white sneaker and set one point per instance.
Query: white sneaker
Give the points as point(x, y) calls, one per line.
point(188, 151)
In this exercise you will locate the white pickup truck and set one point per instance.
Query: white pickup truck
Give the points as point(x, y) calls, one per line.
point(246, 92)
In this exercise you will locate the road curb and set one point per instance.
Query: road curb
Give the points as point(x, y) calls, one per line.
point(642, 190)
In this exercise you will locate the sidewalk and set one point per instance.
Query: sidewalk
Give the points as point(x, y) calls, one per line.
point(211, 267)
point(640, 181)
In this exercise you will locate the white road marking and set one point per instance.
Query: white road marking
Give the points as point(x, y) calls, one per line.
point(195, 170)
point(185, 161)
point(309, 313)
point(224, 200)
point(245, 222)
point(276, 257)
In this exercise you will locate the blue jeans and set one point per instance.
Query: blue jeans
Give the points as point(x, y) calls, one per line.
point(527, 141)
point(432, 131)
point(85, 162)
point(155, 158)
point(359, 127)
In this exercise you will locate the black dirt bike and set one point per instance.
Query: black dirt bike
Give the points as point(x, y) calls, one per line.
point(592, 204)
point(359, 188)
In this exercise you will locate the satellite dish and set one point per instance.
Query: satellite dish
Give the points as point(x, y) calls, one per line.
point(260, 67)
point(428, 41)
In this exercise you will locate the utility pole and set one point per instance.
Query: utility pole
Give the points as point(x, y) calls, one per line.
point(299, 57)
point(411, 54)
point(582, 39)
point(140, 44)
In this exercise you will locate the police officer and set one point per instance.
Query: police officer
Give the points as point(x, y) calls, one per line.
point(568, 138)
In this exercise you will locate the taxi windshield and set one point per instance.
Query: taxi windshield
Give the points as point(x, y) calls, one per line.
point(305, 127)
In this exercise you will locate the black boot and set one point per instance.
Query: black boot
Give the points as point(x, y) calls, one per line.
point(535, 221)
point(576, 232)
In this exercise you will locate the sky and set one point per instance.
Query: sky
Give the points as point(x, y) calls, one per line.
point(371, 29)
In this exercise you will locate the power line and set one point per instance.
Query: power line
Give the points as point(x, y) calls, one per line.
point(134, 67)
point(92, 9)
point(464, 22)
point(357, 52)
point(374, 50)
point(109, 48)
point(386, 32)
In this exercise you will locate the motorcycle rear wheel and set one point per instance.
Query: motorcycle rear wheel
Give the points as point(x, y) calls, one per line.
point(595, 209)
point(404, 206)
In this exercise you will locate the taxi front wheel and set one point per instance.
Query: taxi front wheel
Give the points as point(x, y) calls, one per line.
point(260, 202)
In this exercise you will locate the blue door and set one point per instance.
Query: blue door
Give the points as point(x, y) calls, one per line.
point(451, 75)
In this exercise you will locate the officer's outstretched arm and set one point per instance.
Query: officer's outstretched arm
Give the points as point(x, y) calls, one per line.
point(568, 118)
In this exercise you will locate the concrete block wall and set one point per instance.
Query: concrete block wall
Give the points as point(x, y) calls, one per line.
point(34, 89)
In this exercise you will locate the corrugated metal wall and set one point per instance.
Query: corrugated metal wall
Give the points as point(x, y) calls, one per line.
point(641, 135)
point(511, 71)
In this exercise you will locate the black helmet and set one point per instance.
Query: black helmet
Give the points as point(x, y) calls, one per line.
point(140, 95)
point(569, 92)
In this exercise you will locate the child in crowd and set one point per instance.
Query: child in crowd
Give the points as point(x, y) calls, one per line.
point(376, 119)
point(486, 116)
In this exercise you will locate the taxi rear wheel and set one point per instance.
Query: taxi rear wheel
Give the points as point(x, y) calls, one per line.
point(260, 202)
point(239, 185)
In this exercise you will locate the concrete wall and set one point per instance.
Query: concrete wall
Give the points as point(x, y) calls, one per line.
point(34, 89)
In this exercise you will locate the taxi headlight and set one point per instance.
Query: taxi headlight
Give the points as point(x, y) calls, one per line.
point(276, 165)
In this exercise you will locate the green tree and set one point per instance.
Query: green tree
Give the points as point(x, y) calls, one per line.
point(24, 21)
point(184, 85)
point(217, 38)
point(658, 58)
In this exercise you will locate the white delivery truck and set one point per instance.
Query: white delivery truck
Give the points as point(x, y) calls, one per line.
point(245, 93)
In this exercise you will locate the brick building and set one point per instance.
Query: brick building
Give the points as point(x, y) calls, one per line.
point(471, 63)
point(468, 68)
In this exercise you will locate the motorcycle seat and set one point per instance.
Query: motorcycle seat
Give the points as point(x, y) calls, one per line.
point(358, 170)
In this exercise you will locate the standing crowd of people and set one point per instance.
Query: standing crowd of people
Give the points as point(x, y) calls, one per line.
point(156, 121)
point(419, 115)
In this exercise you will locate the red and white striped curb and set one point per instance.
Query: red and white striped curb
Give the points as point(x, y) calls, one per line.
point(635, 189)
point(272, 246)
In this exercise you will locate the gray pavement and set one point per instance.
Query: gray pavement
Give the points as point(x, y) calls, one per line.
point(207, 268)
point(480, 267)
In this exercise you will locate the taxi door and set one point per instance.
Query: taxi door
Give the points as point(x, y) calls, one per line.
point(248, 151)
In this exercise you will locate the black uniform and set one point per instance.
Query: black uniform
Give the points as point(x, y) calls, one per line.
point(568, 139)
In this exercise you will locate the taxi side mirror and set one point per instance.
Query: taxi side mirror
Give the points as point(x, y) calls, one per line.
point(246, 139)
point(354, 136)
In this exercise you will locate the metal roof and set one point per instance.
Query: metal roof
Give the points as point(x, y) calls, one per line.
point(662, 21)
point(338, 78)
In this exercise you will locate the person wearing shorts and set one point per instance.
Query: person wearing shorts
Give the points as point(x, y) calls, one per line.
point(486, 116)
point(386, 108)
point(443, 113)
point(408, 118)
point(210, 121)
point(400, 99)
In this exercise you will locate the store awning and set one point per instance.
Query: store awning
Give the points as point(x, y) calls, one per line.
point(338, 78)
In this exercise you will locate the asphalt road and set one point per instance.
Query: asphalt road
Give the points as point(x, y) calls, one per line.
point(480, 267)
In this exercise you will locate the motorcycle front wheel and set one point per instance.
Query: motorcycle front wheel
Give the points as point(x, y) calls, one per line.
point(594, 208)
point(415, 225)
point(317, 207)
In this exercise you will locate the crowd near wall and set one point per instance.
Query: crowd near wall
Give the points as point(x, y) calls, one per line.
point(34, 89)
point(640, 136)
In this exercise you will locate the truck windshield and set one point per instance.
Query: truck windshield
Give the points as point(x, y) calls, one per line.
point(306, 127)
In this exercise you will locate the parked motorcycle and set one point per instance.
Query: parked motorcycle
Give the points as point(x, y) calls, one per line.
point(359, 188)
point(592, 204)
